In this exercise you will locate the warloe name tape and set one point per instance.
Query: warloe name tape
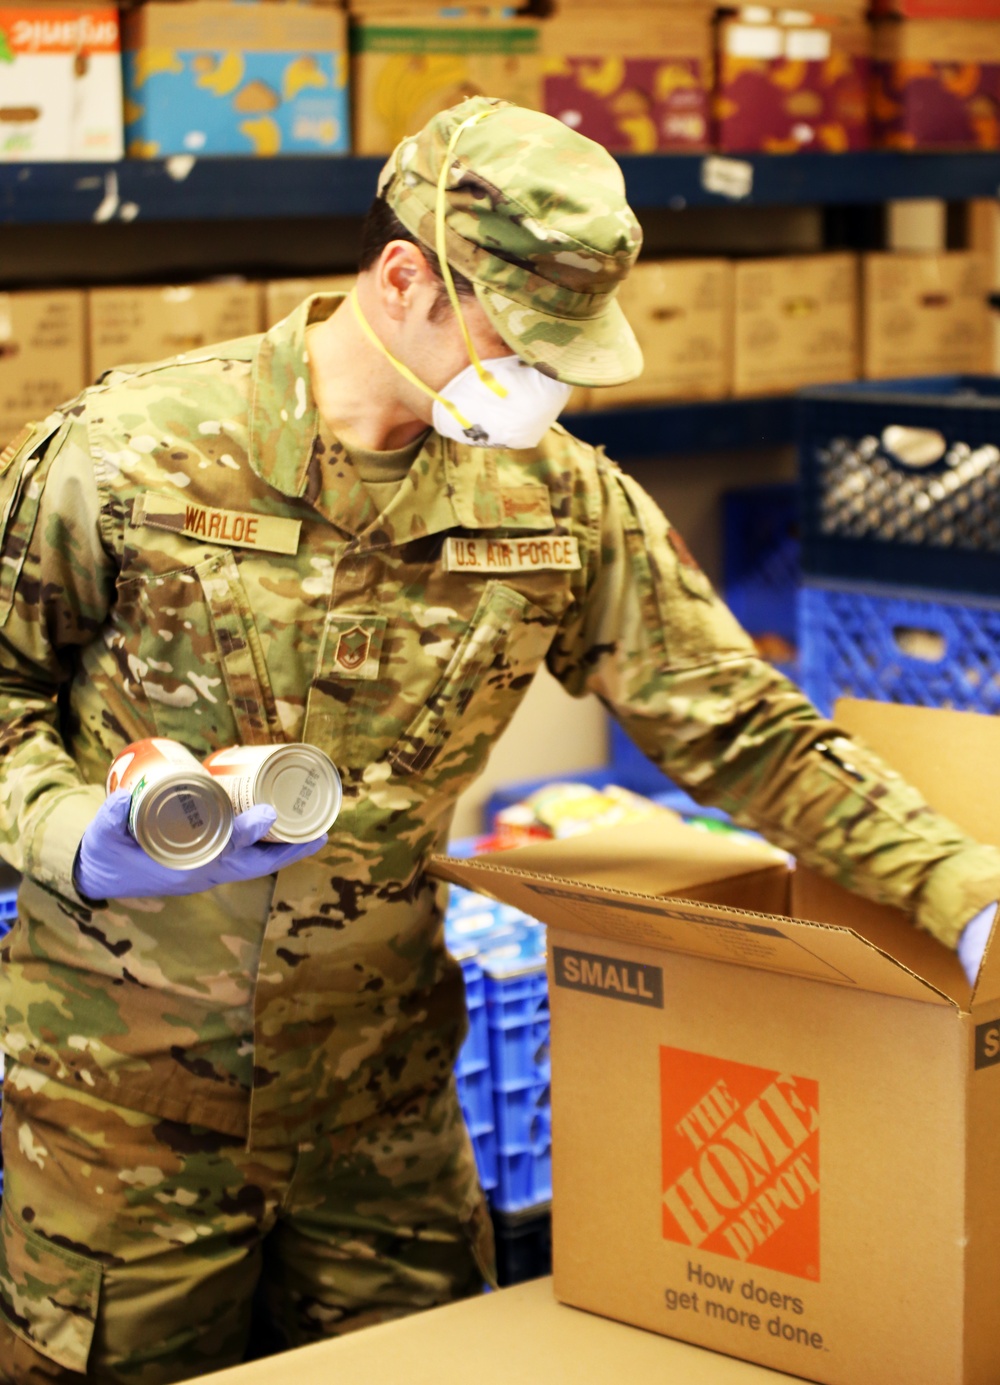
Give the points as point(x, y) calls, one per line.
point(270, 533)
point(558, 551)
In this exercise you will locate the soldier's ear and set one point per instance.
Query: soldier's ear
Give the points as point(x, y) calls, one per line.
point(403, 275)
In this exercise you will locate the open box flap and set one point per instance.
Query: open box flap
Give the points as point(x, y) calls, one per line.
point(951, 758)
point(606, 885)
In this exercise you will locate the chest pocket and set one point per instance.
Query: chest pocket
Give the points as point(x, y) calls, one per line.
point(481, 686)
point(201, 659)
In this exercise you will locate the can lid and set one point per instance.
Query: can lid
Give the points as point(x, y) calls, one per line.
point(184, 821)
point(302, 785)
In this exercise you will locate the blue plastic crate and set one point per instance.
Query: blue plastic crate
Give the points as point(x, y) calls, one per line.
point(524, 1179)
point(929, 649)
point(517, 1010)
point(517, 1006)
point(884, 503)
point(762, 565)
point(524, 1117)
point(8, 909)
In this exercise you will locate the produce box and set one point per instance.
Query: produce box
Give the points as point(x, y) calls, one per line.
point(132, 325)
point(936, 84)
point(925, 313)
point(42, 355)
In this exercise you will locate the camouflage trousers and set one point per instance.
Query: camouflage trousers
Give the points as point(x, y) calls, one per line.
point(138, 1250)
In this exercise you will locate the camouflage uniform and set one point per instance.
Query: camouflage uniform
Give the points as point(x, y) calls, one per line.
point(186, 552)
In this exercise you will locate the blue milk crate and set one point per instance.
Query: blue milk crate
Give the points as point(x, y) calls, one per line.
point(901, 482)
point(762, 559)
point(474, 1077)
point(8, 909)
point(930, 649)
point(517, 1006)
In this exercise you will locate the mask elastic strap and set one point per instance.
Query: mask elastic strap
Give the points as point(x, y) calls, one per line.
point(490, 381)
point(404, 370)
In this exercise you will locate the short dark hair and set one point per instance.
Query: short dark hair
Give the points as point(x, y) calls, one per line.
point(381, 226)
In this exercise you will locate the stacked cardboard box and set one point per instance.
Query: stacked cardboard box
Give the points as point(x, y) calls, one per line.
point(43, 360)
point(789, 80)
point(936, 83)
point(283, 296)
point(132, 325)
point(925, 314)
point(61, 88)
point(210, 77)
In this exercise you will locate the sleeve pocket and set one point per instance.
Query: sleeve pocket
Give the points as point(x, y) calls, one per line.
point(48, 1295)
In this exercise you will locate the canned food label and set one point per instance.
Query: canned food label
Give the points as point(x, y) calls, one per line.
point(270, 533)
point(533, 554)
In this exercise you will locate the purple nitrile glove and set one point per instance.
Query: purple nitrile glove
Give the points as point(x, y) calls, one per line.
point(111, 864)
point(972, 942)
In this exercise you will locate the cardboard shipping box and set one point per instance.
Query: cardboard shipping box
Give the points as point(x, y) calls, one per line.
point(210, 77)
point(515, 1337)
point(681, 312)
point(796, 322)
point(939, 9)
point(42, 355)
point(133, 325)
point(283, 296)
point(60, 82)
point(925, 314)
point(791, 80)
point(774, 1137)
point(409, 64)
point(936, 83)
point(633, 78)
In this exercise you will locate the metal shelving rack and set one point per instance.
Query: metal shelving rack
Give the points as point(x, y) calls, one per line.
point(185, 189)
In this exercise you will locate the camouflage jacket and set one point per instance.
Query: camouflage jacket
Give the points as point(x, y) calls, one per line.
point(181, 555)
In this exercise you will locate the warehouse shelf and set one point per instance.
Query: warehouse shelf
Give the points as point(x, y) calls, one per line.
point(188, 189)
point(665, 430)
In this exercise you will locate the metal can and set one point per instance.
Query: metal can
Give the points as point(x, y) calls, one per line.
point(179, 814)
point(299, 781)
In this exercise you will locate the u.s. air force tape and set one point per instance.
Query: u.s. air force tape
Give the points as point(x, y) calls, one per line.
point(532, 554)
point(270, 533)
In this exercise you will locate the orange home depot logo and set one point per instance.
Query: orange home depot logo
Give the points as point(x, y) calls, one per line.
point(740, 1161)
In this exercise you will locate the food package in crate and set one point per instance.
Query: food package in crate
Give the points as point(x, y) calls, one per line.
point(565, 809)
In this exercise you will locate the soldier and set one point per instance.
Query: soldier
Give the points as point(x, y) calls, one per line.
point(364, 530)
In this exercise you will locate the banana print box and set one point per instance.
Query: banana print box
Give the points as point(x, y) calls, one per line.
point(217, 78)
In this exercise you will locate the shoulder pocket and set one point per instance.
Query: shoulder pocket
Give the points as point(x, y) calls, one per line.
point(48, 1295)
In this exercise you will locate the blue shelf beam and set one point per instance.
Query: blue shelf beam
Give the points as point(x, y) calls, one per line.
point(671, 430)
point(186, 189)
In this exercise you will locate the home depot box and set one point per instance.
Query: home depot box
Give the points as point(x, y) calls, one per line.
point(42, 355)
point(634, 79)
point(60, 82)
point(925, 314)
point(797, 322)
point(283, 296)
point(774, 1136)
point(681, 312)
point(131, 325)
point(513, 1337)
point(211, 77)
point(789, 80)
point(408, 65)
point(936, 83)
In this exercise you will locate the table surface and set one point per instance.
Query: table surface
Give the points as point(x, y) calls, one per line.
point(518, 1335)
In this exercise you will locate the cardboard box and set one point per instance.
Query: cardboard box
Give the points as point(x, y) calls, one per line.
point(682, 313)
point(925, 314)
point(283, 296)
point(633, 79)
point(42, 355)
point(786, 85)
point(210, 77)
point(133, 325)
point(407, 66)
point(515, 1337)
point(60, 83)
point(939, 9)
point(936, 84)
point(774, 1137)
point(797, 322)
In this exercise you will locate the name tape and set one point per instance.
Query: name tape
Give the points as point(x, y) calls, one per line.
point(512, 555)
point(270, 533)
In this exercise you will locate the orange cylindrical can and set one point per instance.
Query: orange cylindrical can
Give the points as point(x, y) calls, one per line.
point(179, 814)
point(299, 781)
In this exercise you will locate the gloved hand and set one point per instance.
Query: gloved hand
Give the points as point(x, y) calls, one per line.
point(972, 942)
point(111, 864)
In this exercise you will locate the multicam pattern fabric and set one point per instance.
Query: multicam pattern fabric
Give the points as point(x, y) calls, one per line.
point(278, 1008)
point(168, 1221)
point(536, 217)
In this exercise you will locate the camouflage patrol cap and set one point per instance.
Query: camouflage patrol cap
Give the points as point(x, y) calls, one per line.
point(536, 217)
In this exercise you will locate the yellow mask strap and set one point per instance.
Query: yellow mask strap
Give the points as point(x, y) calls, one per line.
point(490, 381)
point(404, 370)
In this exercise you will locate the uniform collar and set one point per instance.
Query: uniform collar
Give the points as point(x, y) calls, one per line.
point(449, 486)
